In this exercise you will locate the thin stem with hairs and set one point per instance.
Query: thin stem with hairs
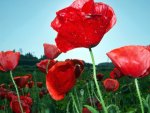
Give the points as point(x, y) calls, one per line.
point(96, 82)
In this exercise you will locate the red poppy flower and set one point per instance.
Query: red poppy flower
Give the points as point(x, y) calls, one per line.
point(99, 106)
point(41, 94)
point(115, 73)
point(99, 76)
point(82, 24)
point(28, 95)
point(3, 93)
point(51, 51)
point(39, 84)
point(86, 110)
point(132, 61)
point(30, 84)
point(61, 78)
point(2, 86)
point(26, 103)
point(21, 81)
point(9, 60)
point(10, 95)
point(44, 91)
point(111, 84)
point(42, 65)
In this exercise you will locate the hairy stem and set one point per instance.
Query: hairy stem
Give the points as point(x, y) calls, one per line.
point(96, 82)
point(74, 103)
point(16, 92)
point(139, 95)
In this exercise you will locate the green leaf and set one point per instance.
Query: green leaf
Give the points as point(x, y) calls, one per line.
point(93, 110)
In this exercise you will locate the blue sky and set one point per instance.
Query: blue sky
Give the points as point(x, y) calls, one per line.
point(26, 24)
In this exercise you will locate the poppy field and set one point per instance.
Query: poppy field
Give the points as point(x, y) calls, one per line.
point(72, 85)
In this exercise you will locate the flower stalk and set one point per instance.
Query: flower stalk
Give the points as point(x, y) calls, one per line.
point(96, 82)
point(11, 75)
point(139, 95)
point(74, 103)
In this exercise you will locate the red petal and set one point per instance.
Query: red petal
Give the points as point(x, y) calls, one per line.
point(9, 60)
point(1, 68)
point(79, 66)
point(63, 43)
point(76, 28)
point(42, 65)
point(21, 81)
point(86, 110)
point(30, 84)
point(107, 12)
point(115, 73)
point(111, 84)
point(51, 51)
point(39, 84)
point(60, 79)
point(86, 6)
point(99, 76)
point(133, 61)
point(26, 103)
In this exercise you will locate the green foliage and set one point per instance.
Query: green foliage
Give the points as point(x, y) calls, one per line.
point(93, 110)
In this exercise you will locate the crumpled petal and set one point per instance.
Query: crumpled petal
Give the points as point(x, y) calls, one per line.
point(83, 24)
point(86, 6)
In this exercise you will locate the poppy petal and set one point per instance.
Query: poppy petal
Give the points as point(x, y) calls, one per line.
point(86, 6)
point(60, 79)
point(111, 84)
point(51, 51)
point(83, 24)
point(9, 60)
point(133, 61)
point(109, 19)
point(21, 81)
point(42, 65)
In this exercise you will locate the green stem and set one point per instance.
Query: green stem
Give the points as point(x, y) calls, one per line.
point(139, 95)
point(77, 98)
point(74, 103)
point(16, 92)
point(67, 109)
point(89, 95)
point(96, 83)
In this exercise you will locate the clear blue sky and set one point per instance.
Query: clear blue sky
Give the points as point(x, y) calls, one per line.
point(26, 24)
